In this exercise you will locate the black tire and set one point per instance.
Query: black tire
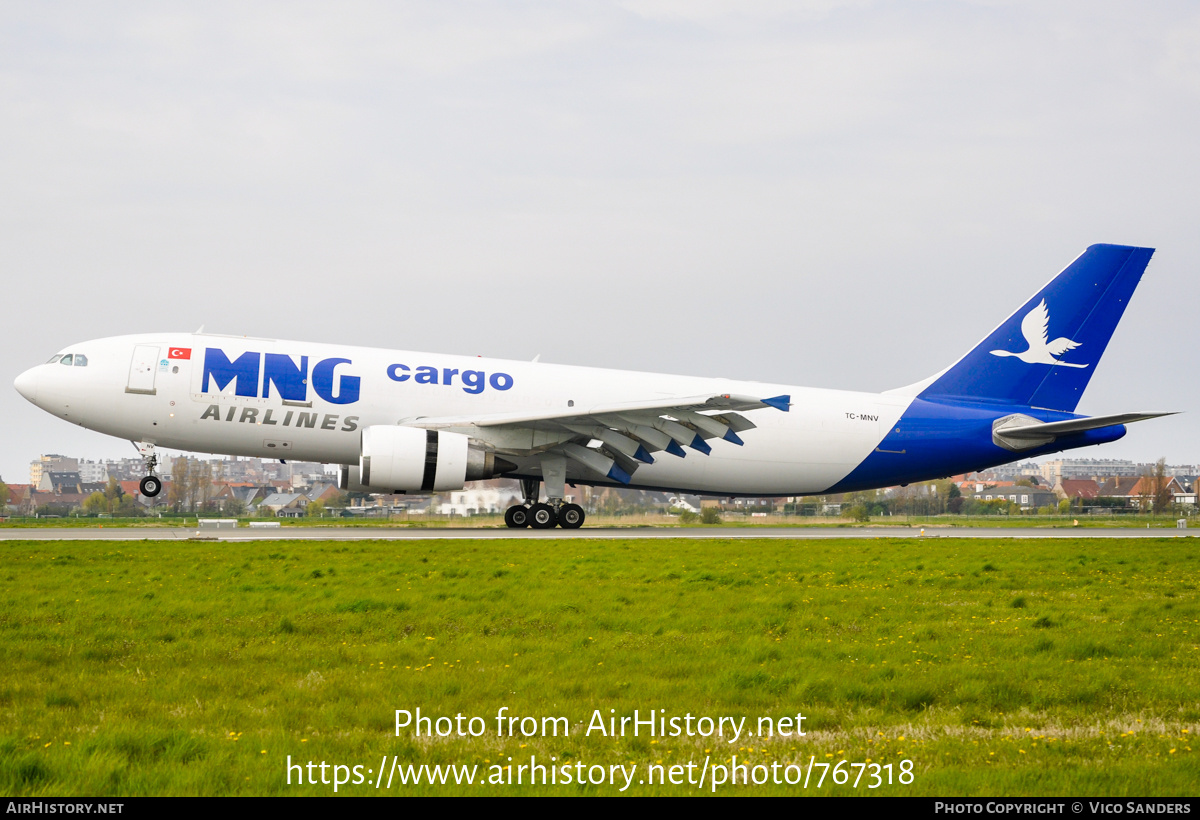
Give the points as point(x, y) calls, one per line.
point(570, 516)
point(150, 486)
point(516, 517)
point(542, 517)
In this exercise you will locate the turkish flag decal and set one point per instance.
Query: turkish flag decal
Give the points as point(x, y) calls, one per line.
point(180, 353)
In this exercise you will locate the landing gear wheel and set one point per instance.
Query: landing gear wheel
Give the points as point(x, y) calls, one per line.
point(542, 517)
point(150, 486)
point(516, 517)
point(570, 516)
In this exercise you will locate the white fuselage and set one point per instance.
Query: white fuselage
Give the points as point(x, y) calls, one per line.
point(133, 388)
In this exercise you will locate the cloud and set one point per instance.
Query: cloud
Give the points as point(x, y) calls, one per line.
point(1181, 57)
point(843, 194)
point(724, 12)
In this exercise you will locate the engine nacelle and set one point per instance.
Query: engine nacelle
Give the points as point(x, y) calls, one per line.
point(410, 459)
point(348, 480)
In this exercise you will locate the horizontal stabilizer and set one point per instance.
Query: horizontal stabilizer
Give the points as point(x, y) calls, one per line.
point(1061, 428)
point(1021, 432)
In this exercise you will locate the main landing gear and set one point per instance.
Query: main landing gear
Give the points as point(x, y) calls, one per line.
point(151, 485)
point(542, 516)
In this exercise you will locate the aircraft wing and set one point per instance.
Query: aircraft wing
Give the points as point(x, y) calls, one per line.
point(628, 432)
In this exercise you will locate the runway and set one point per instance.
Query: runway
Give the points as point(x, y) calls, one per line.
point(411, 533)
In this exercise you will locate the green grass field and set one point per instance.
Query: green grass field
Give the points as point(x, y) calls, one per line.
point(998, 667)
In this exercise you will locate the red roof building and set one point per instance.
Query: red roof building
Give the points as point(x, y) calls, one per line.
point(1074, 488)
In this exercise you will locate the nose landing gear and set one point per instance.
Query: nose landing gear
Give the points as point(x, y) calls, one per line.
point(150, 485)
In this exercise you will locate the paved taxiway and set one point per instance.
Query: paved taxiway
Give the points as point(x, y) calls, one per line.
point(409, 533)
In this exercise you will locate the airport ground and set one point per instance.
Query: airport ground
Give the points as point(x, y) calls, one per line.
point(443, 533)
point(998, 666)
point(647, 525)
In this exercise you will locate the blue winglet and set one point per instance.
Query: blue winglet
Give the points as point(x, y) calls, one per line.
point(732, 436)
point(617, 474)
point(700, 444)
point(674, 449)
point(643, 456)
point(778, 402)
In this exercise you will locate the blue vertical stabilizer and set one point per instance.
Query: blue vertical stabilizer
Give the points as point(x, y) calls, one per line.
point(1045, 353)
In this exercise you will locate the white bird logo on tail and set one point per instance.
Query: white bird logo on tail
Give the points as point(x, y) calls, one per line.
point(1035, 327)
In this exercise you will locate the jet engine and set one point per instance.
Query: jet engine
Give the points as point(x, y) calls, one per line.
point(410, 459)
point(348, 480)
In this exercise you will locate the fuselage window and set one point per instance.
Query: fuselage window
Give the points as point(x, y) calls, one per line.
point(80, 360)
point(65, 359)
point(54, 358)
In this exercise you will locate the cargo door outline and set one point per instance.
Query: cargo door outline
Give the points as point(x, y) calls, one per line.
point(141, 370)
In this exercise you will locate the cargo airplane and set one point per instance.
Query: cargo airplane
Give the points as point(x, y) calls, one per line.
point(399, 421)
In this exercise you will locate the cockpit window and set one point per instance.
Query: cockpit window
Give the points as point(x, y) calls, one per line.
point(65, 359)
point(80, 360)
point(54, 358)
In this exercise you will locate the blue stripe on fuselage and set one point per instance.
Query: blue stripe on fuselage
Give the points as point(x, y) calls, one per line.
point(936, 439)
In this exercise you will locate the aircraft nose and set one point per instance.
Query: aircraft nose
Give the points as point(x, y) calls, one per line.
point(27, 384)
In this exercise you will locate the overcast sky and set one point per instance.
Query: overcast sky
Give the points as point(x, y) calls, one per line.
point(834, 194)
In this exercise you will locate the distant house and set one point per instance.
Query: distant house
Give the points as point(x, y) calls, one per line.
point(1077, 488)
point(54, 482)
point(284, 505)
point(686, 503)
point(1028, 498)
point(479, 500)
point(1138, 491)
point(1146, 486)
point(19, 499)
point(975, 487)
point(229, 493)
point(323, 492)
point(252, 496)
point(222, 496)
point(56, 503)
